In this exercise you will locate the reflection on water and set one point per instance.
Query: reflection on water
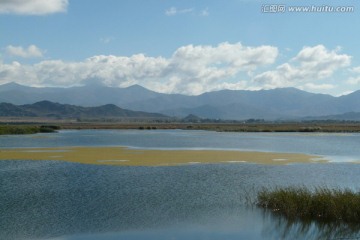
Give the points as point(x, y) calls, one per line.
point(278, 227)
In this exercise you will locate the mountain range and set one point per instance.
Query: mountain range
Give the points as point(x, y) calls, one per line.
point(49, 109)
point(282, 103)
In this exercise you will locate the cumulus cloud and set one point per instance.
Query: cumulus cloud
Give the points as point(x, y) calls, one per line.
point(31, 51)
point(207, 65)
point(311, 64)
point(190, 70)
point(33, 7)
point(14, 72)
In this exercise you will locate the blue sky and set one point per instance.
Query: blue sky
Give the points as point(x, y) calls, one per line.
point(187, 47)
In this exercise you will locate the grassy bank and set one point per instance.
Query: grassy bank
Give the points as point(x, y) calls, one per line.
point(223, 127)
point(322, 204)
point(19, 129)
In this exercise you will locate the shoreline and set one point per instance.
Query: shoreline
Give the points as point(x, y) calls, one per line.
point(23, 127)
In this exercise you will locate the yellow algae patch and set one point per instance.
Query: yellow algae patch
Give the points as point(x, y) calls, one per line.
point(144, 157)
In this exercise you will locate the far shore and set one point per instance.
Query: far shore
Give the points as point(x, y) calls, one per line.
point(23, 126)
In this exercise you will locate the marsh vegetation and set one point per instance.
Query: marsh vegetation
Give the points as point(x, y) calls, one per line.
point(322, 204)
point(26, 129)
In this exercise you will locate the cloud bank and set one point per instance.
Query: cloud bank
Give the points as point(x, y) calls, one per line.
point(191, 69)
point(33, 7)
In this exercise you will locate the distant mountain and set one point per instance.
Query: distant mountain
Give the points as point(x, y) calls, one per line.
point(88, 96)
point(56, 110)
point(350, 102)
point(282, 103)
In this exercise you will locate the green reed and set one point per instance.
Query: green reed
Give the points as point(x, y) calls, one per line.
point(323, 204)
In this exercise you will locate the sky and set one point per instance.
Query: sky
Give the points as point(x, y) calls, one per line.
point(182, 46)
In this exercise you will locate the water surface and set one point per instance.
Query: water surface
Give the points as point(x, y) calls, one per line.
point(66, 200)
point(337, 146)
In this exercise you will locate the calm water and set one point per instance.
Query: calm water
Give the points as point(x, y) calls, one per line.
point(59, 200)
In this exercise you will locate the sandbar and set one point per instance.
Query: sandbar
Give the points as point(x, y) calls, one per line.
point(123, 156)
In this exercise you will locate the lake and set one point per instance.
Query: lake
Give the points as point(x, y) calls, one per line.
point(51, 199)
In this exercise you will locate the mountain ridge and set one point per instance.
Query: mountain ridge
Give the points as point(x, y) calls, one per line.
point(50, 109)
point(272, 104)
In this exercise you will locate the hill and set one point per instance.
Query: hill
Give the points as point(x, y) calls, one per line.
point(49, 109)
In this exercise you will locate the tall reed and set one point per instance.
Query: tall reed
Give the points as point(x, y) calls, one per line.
point(324, 204)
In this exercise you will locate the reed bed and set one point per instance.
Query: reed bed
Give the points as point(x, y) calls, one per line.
point(19, 129)
point(322, 204)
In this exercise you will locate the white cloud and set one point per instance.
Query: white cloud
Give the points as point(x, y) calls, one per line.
point(207, 65)
point(311, 64)
point(31, 51)
point(190, 70)
point(33, 7)
point(110, 70)
point(175, 11)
